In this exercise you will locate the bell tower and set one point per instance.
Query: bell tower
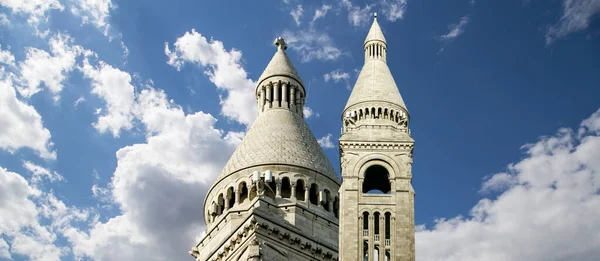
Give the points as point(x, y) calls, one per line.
point(376, 195)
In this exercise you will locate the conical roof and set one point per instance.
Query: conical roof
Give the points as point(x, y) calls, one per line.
point(280, 65)
point(279, 137)
point(375, 83)
point(375, 32)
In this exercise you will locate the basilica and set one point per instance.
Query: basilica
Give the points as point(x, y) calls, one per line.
point(279, 198)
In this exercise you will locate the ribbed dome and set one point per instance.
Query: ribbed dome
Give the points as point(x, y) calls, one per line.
point(375, 32)
point(280, 65)
point(375, 83)
point(279, 137)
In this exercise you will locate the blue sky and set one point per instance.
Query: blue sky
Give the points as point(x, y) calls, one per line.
point(116, 116)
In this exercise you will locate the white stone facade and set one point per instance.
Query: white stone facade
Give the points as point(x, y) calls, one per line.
point(278, 198)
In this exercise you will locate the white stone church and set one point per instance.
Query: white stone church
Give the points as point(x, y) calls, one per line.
point(278, 197)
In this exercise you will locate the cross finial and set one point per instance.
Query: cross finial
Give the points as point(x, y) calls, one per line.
point(375, 15)
point(279, 42)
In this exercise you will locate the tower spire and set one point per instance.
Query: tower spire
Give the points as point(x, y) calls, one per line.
point(375, 46)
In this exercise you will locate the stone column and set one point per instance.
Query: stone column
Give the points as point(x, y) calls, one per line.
point(226, 205)
point(293, 195)
point(306, 195)
point(263, 95)
point(361, 247)
point(293, 98)
point(269, 97)
point(330, 204)
point(278, 189)
point(284, 95)
point(276, 97)
point(298, 105)
point(237, 196)
point(382, 237)
point(372, 237)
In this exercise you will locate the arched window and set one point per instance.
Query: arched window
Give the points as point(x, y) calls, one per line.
point(376, 180)
point(365, 223)
point(376, 225)
point(336, 207)
point(243, 191)
point(231, 197)
point(388, 216)
point(385, 114)
point(365, 250)
point(270, 188)
point(220, 204)
point(325, 203)
point(286, 188)
point(300, 190)
point(314, 194)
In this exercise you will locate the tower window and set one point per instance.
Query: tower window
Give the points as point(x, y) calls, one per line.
point(231, 197)
point(376, 180)
point(286, 189)
point(325, 203)
point(300, 190)
point(220, 204)
point(336, 207)
point(243, 191)
point(387, 225)
point(314, 194)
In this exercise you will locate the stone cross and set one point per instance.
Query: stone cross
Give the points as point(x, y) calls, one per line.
point(279, 42)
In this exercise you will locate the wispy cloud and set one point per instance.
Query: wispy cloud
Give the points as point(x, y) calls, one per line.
point(337, 76)
point(357, 16)
point(297, 14)
point(455, 30)
point(312, 45)
point(321, 12)
point(394, 9)
point(576, 16)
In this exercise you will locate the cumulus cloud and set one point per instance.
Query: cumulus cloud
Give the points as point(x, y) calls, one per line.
point(357, 16)
point(50, 69)
point(95, 12)
point(297, 14)
point(115, 88)
point(325, 142)
point(576, 16)
point(35, 11)
point(22, 125)
point(321, 12)
point(394, 9)
point(39, 173)
point(159, 185)
point(543, 210)
point(223, 68)
point(32, 219)
point(312, 45)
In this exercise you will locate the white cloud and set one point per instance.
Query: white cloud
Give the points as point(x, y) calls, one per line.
point(357, 16)
point(321, 12)
point(297, 14)
point(21, 124)
point(312, 45)
point(23, 208)
point(78, 101)
point(394, 9)
point(51, 70)
point(4, 22)
point(336, 76)
point(6, 57)
point(576, 16)
point(39, 173)
point(34, 10)
point(542, 212)
point(325, 142)
point(308, 112)
point(159, 185)
point(115, 88)
point(96, 12)
point(456, 30)
point(223, 68)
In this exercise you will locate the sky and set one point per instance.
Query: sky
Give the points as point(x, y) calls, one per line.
point(116, 117)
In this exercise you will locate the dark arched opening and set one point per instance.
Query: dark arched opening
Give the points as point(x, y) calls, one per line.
point(300, 190)
point(376, 180)
point(243, 192)
point(314, 194)
point(231, 197)
point(286, 188)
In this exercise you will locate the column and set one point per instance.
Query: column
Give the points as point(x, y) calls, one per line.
point(269, 97)
point(293, 195)
point(293, 98)
point(330, 204)
point(226, 205)
point(361, 241)
point(276, 97)
point(298, 106)
point(263, 95)
point(306, 195)
point(371, 237)
point(278, 189)
point(284, 95)
point(382, 237)
point(237, 196)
